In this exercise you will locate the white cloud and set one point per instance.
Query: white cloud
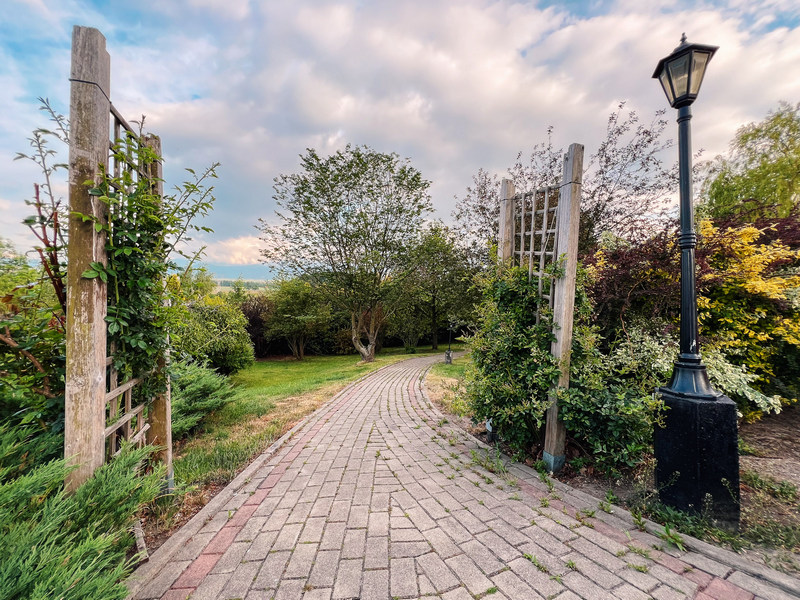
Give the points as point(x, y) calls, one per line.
point(243, 250)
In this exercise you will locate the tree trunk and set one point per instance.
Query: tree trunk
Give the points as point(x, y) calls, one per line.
point(434, 327)
point(356, 325)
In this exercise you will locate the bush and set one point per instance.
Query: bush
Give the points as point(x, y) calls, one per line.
point(69, 547)
point(196, 392)
point(748, 308)
point(513, 369)
point(609, 408)
point(215, 332)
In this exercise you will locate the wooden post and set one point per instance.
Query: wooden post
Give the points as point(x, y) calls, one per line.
point(160, 413)
point(506, 237)
point(569, 212)
point(85, 392)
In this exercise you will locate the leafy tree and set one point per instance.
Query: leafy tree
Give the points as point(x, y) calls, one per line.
point(440, 281)
point(625, 184)
point(298, 313)
point(258, 310)
point(760, 177)
point(346, 222)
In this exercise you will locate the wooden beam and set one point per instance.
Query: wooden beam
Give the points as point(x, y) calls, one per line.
point(86, 298)
point(506, 235)
point(569, 212)
point(160, 413)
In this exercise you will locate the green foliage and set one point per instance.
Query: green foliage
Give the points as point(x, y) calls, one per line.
point(196, 392)
point(346, 222)
point(748, 313)
point(67, 546)
point(299, 312)
point(214, 332)
point(258, 309)
point(760, 177)
point(437, 288)
point(145, 228)
point(513, 369)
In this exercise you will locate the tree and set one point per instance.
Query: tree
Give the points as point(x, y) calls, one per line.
point(442, 279)
point(298, 312)
point(760, 177)
point(346, 223)
point(625, 185)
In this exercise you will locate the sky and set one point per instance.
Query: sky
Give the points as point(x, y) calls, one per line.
point(453, 85)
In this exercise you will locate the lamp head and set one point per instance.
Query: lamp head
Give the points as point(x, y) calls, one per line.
point(681, 73)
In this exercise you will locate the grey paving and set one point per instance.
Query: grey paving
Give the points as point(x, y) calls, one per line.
point(376, 496)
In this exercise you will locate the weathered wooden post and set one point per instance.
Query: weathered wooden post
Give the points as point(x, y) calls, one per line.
point(505, 242)
point(160, 414)
point(569, 212)
point(85, 393)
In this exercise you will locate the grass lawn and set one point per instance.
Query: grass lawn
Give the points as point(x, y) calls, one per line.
point(272, 395)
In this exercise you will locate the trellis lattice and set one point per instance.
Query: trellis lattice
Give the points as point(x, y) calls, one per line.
point(537, 230)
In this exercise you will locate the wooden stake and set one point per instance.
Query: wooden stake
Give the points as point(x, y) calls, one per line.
point(506, 238)
point(86, 298)
point(569, 212)
point(160, 414)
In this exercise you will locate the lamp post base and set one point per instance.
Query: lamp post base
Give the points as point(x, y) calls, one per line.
point(697, 456)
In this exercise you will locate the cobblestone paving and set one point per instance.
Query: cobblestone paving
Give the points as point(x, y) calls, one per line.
point(376, 497)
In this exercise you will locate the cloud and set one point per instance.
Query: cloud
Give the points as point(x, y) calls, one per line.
point(243, 250)
point(453, 86)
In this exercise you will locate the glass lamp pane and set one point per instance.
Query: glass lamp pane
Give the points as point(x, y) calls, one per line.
point(679, 74)
point(664, 79)
point(699, 62)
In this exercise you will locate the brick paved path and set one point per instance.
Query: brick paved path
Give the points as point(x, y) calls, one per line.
point(375, 496)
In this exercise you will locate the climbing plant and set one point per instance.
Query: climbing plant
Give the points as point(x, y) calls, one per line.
point(143, 233)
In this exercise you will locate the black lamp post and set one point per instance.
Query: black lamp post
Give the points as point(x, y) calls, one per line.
point(697, 450)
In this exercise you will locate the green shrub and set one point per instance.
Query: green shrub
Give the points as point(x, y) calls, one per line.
point(513, 369)
point(214, 331)
point(70, 547)
point(196, 392)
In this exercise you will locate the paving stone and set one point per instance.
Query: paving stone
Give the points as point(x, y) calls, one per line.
point(301, 561)
point(513, 587)
point(348, 579)
point(377, 553)
point(333, 536)
point(211, 587)
point(375, 585)
point(725, 590)
point(232, 558)
point(240, 581)
point(354, 543)
point(269, 575)
point(261, 545)
point(437, 571)
point(469, 574)
point(323, 573)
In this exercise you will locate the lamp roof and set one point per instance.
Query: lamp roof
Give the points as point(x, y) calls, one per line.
point(683, 48)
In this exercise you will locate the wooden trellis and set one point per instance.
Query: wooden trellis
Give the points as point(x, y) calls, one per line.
point(538, 229)
point(100, 410)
